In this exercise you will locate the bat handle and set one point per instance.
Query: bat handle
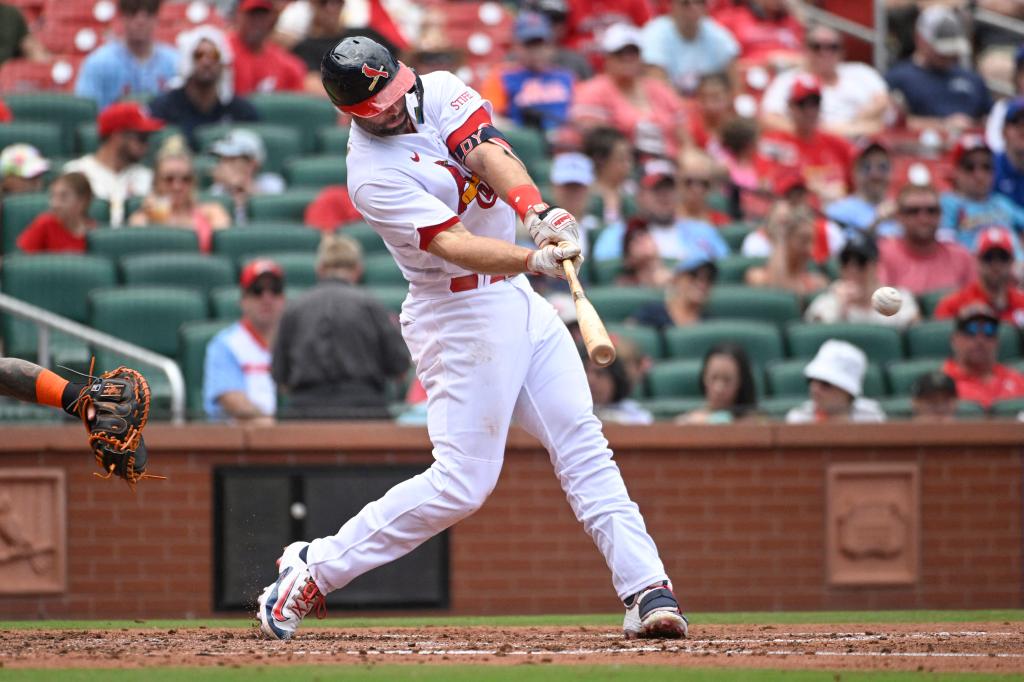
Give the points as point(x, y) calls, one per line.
point(573, 279)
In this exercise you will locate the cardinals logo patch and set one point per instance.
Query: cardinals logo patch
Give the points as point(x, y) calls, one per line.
point(374, 75)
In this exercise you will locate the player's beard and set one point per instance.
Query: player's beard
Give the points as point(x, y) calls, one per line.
point(401, 126)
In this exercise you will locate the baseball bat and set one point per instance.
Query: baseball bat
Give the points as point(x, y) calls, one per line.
point(595, 336)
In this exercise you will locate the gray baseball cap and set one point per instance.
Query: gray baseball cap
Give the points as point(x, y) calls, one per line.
point(240, 142)
point(943, 29)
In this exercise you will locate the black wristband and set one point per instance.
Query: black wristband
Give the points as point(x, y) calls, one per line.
point(69, 398)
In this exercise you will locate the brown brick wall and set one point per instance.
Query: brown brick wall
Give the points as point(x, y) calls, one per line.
point(737, 513)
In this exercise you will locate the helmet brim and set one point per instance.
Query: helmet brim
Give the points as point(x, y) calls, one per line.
point(392, 92)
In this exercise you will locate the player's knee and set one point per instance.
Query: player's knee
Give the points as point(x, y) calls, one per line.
point(470, 484)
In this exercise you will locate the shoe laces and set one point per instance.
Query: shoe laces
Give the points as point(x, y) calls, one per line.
point(307, 598)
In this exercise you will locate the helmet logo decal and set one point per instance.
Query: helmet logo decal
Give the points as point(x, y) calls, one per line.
point(374, 74)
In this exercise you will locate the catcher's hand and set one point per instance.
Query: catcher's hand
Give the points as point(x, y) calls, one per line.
point(114, 408)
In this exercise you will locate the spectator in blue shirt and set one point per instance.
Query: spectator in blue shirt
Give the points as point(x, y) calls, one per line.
point(868, 209)
point(687, 44)
point(532, 91)
point(134, 65)
point(972, 206)
point(1009, 164)
point(932, 87)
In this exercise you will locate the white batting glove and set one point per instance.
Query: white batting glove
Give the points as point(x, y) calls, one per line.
point(551, 225)
point(547, 260)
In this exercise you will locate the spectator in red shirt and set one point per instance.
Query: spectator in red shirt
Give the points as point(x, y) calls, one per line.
point(588, 19)
point(973, 367)
point(260, 65)
point(63, 227)
point(824, 159)
point(712, 109)
point(331, 209)
point(917, 261)
point(765, 30)
point(645, 108)
point(995, 286)
point(5, 113)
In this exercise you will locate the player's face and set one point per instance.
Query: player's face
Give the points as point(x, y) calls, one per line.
point(394, 120)
point(828, 399)
point(721, 382)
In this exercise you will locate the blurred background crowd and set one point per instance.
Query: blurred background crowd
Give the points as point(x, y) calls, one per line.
point(746, 173)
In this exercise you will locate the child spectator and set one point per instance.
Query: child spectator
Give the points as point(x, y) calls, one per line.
point(835, 381)
point(64, 226)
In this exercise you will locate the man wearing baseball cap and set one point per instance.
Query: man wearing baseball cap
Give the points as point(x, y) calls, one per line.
point(971, 206)
point(134, 64)
point(932, 87)
point(260, 64)
point(995, 285)
point(974, 368)
point(237, 381)
point(822, 158)
point(115, 170)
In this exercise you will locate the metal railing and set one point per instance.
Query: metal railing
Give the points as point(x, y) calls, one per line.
point(46, 321)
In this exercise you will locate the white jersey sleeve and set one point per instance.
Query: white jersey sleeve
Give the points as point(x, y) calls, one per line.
point(453, 107)
point(403, 212)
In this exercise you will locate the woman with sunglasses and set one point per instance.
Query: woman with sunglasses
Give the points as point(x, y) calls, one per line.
point(173, 201)
point(848, 299)
point(696, 178)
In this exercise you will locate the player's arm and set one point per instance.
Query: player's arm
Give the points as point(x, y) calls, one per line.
point(490, 256)
point(30, 383)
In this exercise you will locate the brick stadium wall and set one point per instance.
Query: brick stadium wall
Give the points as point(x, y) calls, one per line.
point(738, 514)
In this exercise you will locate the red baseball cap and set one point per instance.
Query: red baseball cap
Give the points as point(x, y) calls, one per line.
point(258, 268)
point(972, 142)
point(786, 182)
point(805, 85)
point(249, 5)
point(126, 116)
point(995, 238)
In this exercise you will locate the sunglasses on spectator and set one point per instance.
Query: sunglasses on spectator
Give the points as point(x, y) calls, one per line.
point(996, 256)
point(879, 166)
point(970, 166)
point(276, 288)
point(824, 47)
point(813, 101)
point(703, 183)
point(211, 53)
point(918, 210)
point(855, 259)
point(692, 3)
point(186, 178)
point(987, 328)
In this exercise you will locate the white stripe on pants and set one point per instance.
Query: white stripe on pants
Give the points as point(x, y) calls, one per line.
point(485, 356)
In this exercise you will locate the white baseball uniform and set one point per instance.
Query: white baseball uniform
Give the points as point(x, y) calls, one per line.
point(493, 351)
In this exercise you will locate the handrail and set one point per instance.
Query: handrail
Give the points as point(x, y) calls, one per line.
point(47, 320)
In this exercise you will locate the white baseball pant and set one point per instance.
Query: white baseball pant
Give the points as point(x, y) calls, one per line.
point(485, 356)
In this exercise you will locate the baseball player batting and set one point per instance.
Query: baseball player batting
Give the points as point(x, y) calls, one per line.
point(442, 187)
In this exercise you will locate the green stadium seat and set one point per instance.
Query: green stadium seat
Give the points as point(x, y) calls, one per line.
point(288, 205)
point(530, 147)
point(243, 243)
point(928, 302)
point(897, 408)
point(931, 339)
point(333, 140)
point(734, 234)
point(675, 379)
point(1011, 407)
point(732, 269)
point(903, 373)
point(303, 113)
point(646, 339)
point(365, 235)
point(1017, 365)
point(381, 268)
point(616, 304)
point(667, 409)
point(199, 271)
point(316, 172)
point(391, 297)
point(968, 409)
point(775, 408)
point(281, 142)
point(299, 267)
point(21, 209)
point(786, 378)
point(748, 303)
point(192, 342)
point(64, 110)
point(46, 137)
point(148, 316)
point(127, 241)
point(880, 344)
point(12, 411)
point(605, 271)
point(203, 164)
point(59, 283)
point(89, 140)
point(761, 340)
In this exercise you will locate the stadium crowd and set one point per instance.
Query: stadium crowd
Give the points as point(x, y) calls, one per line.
point(742, 183)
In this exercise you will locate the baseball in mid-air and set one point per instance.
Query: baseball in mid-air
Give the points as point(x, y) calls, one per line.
point(886, 300)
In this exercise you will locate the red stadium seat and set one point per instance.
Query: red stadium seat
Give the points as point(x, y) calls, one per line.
point(21, 75)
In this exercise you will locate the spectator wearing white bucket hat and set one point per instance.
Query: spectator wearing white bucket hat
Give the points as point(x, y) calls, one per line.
point(835, 381)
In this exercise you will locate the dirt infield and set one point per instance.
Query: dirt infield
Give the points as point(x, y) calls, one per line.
point(959, 647)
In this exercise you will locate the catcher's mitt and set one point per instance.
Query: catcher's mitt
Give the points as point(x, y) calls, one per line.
point(114, 408)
